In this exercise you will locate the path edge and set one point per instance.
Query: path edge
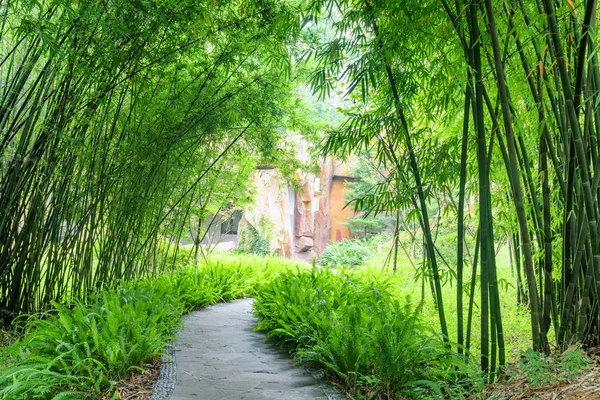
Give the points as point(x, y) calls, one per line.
point(318, 374)
point(167, 377)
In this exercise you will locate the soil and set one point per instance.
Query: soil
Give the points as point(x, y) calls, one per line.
point(7, 337)
point(586, 386)
point(140, 384)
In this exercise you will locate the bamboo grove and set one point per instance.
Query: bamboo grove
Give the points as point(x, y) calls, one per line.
point(492, 100)
point(119, 118)
point(115, 117)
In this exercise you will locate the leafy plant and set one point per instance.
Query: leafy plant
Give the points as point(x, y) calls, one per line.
point(354, 252)
point(540, 369)
point(349, 322)
point(253, 242)
point(87, 346)
point(572, 362)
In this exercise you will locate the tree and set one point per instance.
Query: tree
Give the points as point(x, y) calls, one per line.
point(113, 115)
point(528, 74)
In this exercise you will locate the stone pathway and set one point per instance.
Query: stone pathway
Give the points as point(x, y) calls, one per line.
point(218, 356)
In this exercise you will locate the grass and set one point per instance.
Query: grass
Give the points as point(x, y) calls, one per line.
point(534, 368)
point(367, 327)
point(515, 317)
point(408, 283)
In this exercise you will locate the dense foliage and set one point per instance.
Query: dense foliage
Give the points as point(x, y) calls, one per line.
point(124, 125)
point(118, 122)
point(354, 252)
point(350, 323)
point(485, 102)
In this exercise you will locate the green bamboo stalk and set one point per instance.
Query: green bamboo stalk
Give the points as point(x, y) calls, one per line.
point(477, 103)
point(539, 339)
point(472, 292)
point(461, 227)
point(419, 186)
point(580, 152)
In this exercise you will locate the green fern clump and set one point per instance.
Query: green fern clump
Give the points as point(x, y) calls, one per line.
point(84, 348)
point(80, 351)
point(349, 322)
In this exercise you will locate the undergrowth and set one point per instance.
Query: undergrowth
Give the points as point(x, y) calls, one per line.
point(80, 351)
point(355, 252)
point(355, 323)
point(375, 345)
point(539, 369)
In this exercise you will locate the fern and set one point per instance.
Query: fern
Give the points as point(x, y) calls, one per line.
point(78, 351)
point(350, 323)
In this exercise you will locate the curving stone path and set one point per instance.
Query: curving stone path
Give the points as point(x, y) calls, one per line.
point(218, 356)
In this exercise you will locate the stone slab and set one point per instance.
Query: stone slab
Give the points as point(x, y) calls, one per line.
point(218, 356)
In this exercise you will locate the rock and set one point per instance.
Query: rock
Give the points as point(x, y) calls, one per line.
point(322, 234)
point(304, 221)
point(306, 256)
point(270, 214)
point(303, 244)
point(305, 192)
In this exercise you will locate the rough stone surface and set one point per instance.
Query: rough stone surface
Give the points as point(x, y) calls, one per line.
point(303, 244)
point(305, 192)
point(284, 213)
point(338, 211)
point(306, 256)
point(270, 214)
point(218, 356)
point(322, 216)
point(304, 224)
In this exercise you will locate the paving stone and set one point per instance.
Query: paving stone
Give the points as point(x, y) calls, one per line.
point(218, 356)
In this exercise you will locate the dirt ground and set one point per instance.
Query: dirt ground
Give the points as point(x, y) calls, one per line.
point(585, 386)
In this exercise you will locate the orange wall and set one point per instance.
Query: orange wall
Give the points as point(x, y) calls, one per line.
point(337, 212)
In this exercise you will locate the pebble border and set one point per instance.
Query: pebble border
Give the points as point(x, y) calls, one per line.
point(168, 375)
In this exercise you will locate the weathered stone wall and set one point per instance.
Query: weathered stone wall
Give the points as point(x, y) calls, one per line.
point(299, 221)
point(304, 220)
point(322, 215)
point(270, 213)
point(339, 214)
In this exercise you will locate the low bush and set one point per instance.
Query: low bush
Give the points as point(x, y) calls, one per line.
point(354, 252)
point(371, 342)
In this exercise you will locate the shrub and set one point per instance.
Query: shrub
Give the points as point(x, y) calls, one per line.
point(349, 323)
point(354, 252)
